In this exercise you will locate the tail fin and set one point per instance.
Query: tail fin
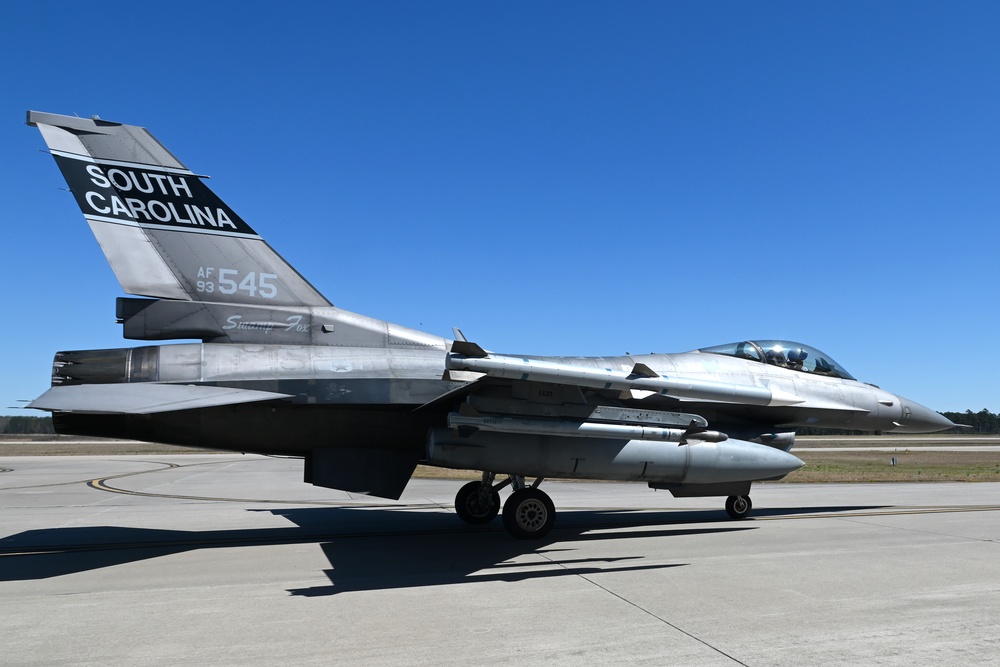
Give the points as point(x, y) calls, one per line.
point(163, 231)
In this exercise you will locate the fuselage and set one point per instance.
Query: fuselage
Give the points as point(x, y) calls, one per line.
point(356, 395)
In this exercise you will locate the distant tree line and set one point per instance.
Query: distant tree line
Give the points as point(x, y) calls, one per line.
point(26, 425)
point(983, 421)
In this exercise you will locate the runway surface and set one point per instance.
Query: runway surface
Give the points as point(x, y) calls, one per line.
point(231, 560)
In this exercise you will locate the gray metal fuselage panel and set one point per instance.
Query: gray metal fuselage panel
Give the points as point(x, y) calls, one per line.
point(159, 319)
point(314, 374)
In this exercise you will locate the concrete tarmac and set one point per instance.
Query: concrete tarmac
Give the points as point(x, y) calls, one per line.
point(232, 560)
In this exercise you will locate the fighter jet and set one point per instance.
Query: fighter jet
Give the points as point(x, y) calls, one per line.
point(280, 370)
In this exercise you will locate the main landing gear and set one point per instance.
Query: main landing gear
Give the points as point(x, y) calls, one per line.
point(528, 513)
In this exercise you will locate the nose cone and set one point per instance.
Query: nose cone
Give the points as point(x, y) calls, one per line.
point(917, 418)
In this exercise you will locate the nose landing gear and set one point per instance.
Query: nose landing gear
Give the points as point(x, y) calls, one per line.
point(738, 507)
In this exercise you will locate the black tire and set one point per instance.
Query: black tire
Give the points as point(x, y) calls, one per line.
point(529, 514)
point(738, 507)
point(477, 504)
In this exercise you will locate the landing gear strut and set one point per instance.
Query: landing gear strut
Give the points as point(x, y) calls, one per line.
point(528, 513)
point(738, 507)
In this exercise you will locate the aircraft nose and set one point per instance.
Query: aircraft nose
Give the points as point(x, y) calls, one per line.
point(917, 418)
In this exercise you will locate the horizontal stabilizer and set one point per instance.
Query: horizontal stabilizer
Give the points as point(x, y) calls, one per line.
point(143, 398)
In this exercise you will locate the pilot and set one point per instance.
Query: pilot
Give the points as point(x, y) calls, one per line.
point(796, 358)
point(776, 357)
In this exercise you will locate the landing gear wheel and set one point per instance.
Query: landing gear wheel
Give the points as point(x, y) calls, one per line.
point(476, 503)
point(738, 507)
point(529, 514)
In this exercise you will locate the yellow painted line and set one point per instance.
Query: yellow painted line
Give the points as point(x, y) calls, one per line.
point(100, 485)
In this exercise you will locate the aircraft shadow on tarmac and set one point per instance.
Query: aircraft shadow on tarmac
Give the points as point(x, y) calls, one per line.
point(379, 549)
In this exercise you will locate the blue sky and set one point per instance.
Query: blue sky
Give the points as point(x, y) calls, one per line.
point(553, 178)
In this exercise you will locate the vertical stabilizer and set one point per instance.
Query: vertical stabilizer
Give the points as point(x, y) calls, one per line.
point(164, 232)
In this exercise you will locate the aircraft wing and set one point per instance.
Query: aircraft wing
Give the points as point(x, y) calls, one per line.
point(515, 395)
point(143, 398)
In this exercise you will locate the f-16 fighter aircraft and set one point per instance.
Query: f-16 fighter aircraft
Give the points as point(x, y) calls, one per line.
point(280, 370)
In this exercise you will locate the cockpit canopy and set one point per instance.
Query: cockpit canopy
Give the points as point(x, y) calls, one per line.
point(786, 354)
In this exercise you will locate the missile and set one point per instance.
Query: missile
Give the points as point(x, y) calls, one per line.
point(641, 381)
point(585, 429)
